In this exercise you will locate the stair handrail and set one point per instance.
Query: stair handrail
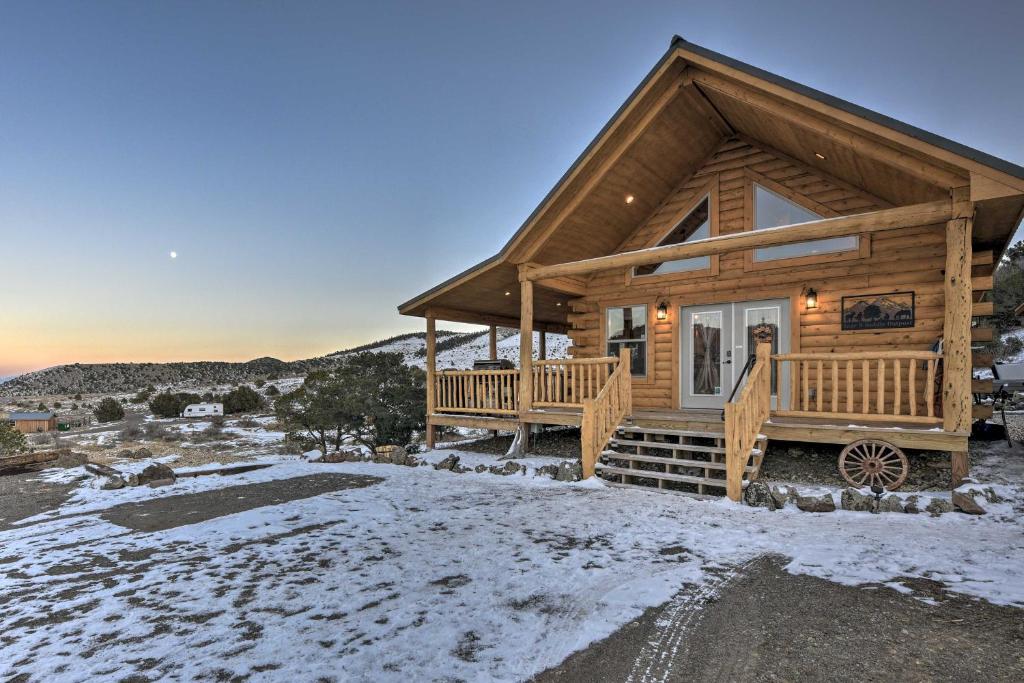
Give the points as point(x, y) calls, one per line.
point(743, 373)
point(744, 418)
point(603, 413)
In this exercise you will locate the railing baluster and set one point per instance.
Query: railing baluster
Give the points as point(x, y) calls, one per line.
point(820, 384)
point(897, 396)
point(912, 387)
point(880, 401)
point(849, 386)
point(835, 387)
point(793, 386)
point(804, 370)
point(865, 376)
point(929, 389)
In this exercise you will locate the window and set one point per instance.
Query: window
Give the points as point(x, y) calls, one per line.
point(695, 226)
point(627, 328)
point(772, 210)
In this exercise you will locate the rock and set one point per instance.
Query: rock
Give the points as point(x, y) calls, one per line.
point(548, 471)
point(450, 463)
point(157, 474)
point(938, 506)
point(966, 504)
point(890, 503)
point(410, 461)
point(313, 455)
point(112, 483)
point(142, 454)
point(782, 495)
point(569, 471)
point(68, 458)
point(822, 503)
point(912, 505)
point(131, 479)
point(759, 495)
point(336, 456)
point(461, 469)
point(855, 501)
point(480, 469)
point(390, 455)
point(513, 467)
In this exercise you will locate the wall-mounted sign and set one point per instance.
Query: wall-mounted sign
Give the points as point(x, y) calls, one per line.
point(878, 311)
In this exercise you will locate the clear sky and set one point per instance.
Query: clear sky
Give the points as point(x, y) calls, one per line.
point(315, 164)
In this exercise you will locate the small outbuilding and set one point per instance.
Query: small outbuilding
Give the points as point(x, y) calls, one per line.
point(203, 410)
point(31, 423)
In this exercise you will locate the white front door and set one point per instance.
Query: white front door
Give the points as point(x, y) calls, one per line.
point(716, 341)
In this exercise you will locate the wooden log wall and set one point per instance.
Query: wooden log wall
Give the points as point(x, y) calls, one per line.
point(911, 259)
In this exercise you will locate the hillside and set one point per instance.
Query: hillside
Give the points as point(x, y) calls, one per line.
point(455, 351)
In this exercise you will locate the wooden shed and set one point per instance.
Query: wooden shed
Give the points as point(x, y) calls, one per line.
point(736, 258)
point(31, 423)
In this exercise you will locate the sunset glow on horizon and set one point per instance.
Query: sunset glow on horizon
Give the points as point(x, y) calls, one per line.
point(230, 181)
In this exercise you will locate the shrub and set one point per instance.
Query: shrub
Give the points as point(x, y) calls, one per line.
point(41, 407)
point(58, 405)
point(241, 400)
point(141, 397)
point(11, 440)
point(171, 405)
point(249, 423)
point(78, 397)
point(259, 383)
point(131, 433)
point(272, 391)
point(109, 410)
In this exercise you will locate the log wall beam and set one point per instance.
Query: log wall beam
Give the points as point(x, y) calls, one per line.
point(929, 213)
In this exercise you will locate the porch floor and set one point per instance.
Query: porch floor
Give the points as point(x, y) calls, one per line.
point(805, 429)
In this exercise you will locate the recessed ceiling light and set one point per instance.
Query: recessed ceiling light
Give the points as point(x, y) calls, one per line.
point(630, 199)
point(559, 303)
point(508, 293)
point(819, 155)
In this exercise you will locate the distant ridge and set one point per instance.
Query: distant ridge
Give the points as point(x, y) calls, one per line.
point(455, 350)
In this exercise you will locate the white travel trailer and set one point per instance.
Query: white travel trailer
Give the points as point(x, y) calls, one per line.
point(203, 410)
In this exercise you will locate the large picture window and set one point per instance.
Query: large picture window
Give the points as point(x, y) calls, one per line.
point(696, 225)
point(772, 210)
point(627, 328)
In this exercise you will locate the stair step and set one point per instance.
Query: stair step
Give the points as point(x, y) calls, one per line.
point(655, 489)
point(669, 446)
point(672, 432)
point(676, 462)
point(668, 476)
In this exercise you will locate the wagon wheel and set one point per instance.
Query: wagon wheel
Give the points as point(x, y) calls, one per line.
point(869, 462)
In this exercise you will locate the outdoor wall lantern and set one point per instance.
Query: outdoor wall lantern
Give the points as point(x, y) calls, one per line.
point(812, 299)
point(662, 311)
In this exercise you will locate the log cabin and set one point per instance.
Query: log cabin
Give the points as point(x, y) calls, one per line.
point(739, 258)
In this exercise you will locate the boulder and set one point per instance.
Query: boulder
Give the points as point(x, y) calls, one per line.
point(855, 501)
point(890, 503)
point(481, 468)
point(336, 456)
point(112, 483)
point(912, 505)
point(130, 478)
point(938, 506)
point(966, 504)
point(157, 474)
point(822, 503)
point(548, 471)
point(569, 471)
point(782, 495)
point(759, 495)
point(448, 464)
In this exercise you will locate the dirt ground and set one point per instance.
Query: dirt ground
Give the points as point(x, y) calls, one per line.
point(765, 624)
point(23, 494)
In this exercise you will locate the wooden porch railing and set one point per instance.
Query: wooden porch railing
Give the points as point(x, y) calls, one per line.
point(744, 418)
point(868, 386)
point(603, 413)
point(569, 382)
point(477, 391)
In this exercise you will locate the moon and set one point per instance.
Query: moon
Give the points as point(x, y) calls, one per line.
point(174, 254)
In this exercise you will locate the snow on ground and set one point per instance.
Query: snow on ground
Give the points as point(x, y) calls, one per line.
point(428, 575)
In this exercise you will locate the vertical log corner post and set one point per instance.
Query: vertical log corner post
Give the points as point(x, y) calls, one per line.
point(431, 372)
point(525, 346)
point(956, 331)
point(492, 342)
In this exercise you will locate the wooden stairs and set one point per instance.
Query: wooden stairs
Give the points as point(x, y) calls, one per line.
point(689, 462)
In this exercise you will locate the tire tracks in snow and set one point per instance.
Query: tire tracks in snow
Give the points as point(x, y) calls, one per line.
point(654, 662)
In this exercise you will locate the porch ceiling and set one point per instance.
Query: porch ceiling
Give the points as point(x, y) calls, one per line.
point(690, 103)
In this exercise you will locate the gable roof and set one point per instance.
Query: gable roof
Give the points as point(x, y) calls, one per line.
point(915, 165)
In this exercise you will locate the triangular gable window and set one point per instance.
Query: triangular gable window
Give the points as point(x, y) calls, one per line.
point(772, 210)
point(695, 226)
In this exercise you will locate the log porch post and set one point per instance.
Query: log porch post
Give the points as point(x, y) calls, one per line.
point(956, 331)
point(493, 342)
point(526, 346)
point(542, 352)
point(431, 370)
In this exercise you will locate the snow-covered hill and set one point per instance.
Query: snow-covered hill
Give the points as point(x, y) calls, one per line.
point(455, 351)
